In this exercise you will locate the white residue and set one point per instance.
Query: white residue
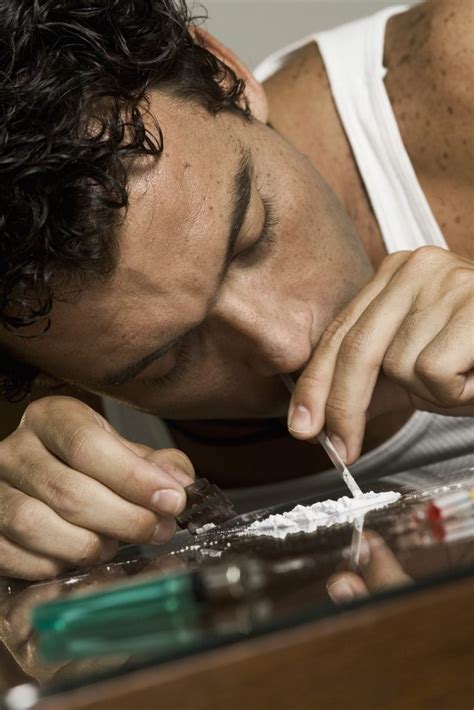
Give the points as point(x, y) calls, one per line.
point(205, 528)
point(308, 518)
point(210, 552)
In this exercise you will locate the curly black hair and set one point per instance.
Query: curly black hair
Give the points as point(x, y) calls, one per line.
point(74, 77)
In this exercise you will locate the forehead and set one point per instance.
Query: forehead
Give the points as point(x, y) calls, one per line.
point(171, 245)
point(180, 208)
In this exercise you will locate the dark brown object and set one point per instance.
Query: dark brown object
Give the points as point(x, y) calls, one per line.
point(206, 503)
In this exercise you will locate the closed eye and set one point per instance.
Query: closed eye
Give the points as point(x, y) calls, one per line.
point(267, 236)
point(179, 369)
point(248, 256)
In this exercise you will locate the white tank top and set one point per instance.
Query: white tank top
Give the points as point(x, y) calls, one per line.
point(353, 58)
point(428, 446)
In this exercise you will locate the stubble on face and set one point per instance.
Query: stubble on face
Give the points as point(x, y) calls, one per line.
point(267, 314)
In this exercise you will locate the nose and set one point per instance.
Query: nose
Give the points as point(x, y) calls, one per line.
point(270, 338)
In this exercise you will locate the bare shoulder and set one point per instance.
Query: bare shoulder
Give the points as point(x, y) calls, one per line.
point(302, 109)
point(451, 31)
point(429, 53)
point(449, 46)
point(294, 93)
point(430, 50)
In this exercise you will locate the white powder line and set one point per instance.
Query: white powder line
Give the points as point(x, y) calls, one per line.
point(205, 528)
point(308, 518)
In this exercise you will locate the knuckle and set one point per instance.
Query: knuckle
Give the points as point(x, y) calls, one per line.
point(309, 380)
point(79, 440)
point(394, 367)
point(426, 256)
point(356, 344)
point(41, 409)
point(333, 334)
point(56, 490)
point(337, 409)
point(131, 480)
point(69, 500)
point(20, 517)
point(11, 565)
point(392, 263)
point(34, 412)
point(180, 458)
point(428, 368)
point(7, 454)
point(433, 372)
point(91, 550)
point(138, 525)
point(26, 469)
point(5, 554)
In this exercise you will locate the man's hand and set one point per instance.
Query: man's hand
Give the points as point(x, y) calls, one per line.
point(405, 340)
point(71, 487)
point(379, 571)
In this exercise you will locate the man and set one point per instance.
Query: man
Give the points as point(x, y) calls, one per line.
point(177, 236)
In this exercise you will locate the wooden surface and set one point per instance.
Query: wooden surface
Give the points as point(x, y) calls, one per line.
point(411, 653)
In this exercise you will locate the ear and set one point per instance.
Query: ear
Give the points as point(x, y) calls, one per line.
point(254, 91)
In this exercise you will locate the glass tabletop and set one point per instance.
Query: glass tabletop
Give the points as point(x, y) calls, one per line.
point(152, 604)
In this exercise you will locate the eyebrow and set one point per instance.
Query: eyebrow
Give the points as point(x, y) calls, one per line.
point(240, 201)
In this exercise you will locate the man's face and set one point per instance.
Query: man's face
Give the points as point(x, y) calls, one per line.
point(233, 258)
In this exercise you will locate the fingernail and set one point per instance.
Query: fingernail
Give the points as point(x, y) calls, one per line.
point(300, 420)
point(167, 501)
point(339, 446)
point(183, 478)
point(160, 534)
point(340, 591)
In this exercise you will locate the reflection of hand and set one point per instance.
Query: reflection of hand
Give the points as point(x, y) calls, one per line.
point(379, 568)
point(19, 638)
point(71, 487)
point(404, 341)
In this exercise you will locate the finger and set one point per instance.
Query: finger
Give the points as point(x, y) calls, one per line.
point(37, 528)
point(431, 356)
point(165, 529)
point(390, 397)
point(16, 623)
point(382, 570)
point(446, 365)
point(173, 461)
point(84, 502)
point(345, 587)
point(416, 331)
point(86, 668)
point(306, 415)
point(19, 563)
point(74, 436)
point(358, 365)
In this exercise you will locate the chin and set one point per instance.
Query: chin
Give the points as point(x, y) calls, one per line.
point(267, 406)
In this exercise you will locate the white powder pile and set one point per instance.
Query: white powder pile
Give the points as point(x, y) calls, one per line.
point(205, 528)
point(308, 518)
